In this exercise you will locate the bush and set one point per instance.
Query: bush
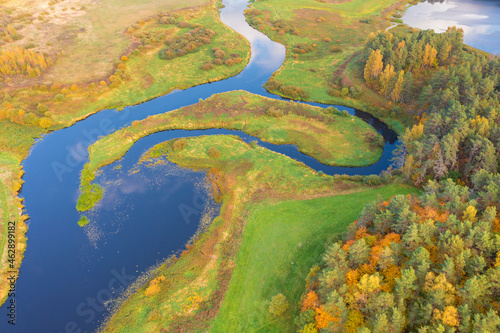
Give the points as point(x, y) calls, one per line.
point(59, 97)
point(373, 180)
point(335, 49)
point(183, 24)
point(42, 108)
point(55, 86)
point(302, 48)
point(355, 92)
point(229, 62)
point(213, 152)
point(218, 62)
point(253, 12)
point(186, 43)
point(294, 92)
point(219, 54)
point(207, 66)
point(279, 305)
point(272, 112)
point(179, 144)
point(273, 84)
point(83, 221)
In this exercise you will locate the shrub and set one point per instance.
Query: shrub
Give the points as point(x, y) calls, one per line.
point(272, 112)
point(213, 152)
point(229, 62)
point(294, 92)
point(207, 66)
point(83, 221)
point(179, 144)
point(344, 91)
point(355, 92)
point(45, 122)
point(186, 43)
point(302, 48)
point(42, 108)
point(55, 86)
point(273, 84)
point(372, 180)
point(183, 24)
point(279, 305)
point(253, 12)
point(59, 97)
point(219, 54)
point(335, 49)
point(218, 62)
point(124, 58)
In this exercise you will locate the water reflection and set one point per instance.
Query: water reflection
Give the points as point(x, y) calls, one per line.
point(480, 20)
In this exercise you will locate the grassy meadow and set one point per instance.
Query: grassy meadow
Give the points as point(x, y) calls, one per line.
point(282, 241)
point(90, 34)
point(333, 138)
point(271, 205)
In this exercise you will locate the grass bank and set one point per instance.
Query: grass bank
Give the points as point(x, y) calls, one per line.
point(323, 41)
point(330, 136)
point(264, 194)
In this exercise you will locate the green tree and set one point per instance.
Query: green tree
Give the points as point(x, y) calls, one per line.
point(279, 304)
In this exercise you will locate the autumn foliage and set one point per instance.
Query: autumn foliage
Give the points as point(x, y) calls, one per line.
point(21, 61)
point(414, 264)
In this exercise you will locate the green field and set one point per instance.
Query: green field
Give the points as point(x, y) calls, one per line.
point(282, 241)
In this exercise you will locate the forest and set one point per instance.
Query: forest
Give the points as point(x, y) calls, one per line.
point(428, 262)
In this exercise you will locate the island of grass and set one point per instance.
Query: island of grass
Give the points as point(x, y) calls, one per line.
point(272, 227)
point(71, 71)
point(324, 42)
point(331, 136)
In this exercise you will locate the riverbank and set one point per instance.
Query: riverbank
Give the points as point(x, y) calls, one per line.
point(138, 76)
point(331, 136)
point(324, 41)
point(252, 181)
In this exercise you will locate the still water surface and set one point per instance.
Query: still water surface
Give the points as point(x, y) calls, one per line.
point(480, 20)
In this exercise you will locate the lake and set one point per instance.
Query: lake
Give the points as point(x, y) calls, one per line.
point(480, 20)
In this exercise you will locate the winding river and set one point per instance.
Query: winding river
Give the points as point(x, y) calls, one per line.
point(70, 274)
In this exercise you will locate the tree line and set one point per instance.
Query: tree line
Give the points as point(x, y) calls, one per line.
point(453, 93)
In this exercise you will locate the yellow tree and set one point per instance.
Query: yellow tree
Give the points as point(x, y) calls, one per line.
point(374, 66)
point(398, 87)
point(429, 56)
point(386, 79)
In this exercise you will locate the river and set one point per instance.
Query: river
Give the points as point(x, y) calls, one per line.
point(69, 273)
